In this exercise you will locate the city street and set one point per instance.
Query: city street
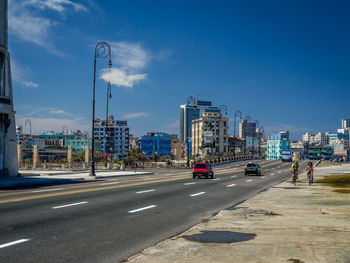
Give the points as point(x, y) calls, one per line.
point(110, 220)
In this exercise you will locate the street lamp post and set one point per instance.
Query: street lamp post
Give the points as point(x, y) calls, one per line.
point(237, 113)
point(102, 50)
point(253, 135)
point(109, 96)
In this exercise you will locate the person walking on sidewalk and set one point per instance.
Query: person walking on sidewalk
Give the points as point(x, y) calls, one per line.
point(310, 172)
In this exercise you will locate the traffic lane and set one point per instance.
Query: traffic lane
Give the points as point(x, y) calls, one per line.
point(113, 183)
point(99, 183)
point(206, 203)
point(213, 197)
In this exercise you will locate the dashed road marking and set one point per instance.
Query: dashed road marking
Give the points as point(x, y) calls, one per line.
point(233, 176)
point(200, 193)
point(250, 180)
point(262, 177)
point(14, 243)
point(74, 204)
point(216, 179)
point(230, 185)
point(47, 190)
point(145, 191)
point(141, 209)
point(272, 174)
point(189, 183)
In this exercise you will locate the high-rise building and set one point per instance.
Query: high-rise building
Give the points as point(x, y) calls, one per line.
point(247, 129)
point(345, 123)
point(190, 112)
point(117, 136)
point(8, 140)
point(210, 134)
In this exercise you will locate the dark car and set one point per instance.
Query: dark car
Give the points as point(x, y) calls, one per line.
point(252, 168)
point(202, 169)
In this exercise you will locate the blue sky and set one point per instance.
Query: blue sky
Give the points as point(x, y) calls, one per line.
point(284, 63)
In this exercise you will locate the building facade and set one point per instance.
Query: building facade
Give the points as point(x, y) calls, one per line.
point(117, 137)
point(8, 140)
point(276, 144)
point(246, 129)
point(155, 143)
point(345, 124)
point(210, 134)
point(190, 112)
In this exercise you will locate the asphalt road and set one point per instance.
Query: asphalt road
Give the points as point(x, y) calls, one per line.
point(108, 221)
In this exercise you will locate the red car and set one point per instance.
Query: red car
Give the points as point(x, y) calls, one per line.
point(202, 169)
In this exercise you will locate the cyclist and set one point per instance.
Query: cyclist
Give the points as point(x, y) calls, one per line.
point(310, 171)
point(295, 170)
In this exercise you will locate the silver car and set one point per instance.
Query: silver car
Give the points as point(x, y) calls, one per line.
point(252, 168)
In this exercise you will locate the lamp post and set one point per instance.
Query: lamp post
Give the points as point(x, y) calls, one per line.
point(109, 96)
point(253, 135)
point(102, 50)
point(237, 113)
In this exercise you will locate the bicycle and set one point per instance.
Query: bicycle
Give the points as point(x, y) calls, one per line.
point(294, 177)
point(309, 178)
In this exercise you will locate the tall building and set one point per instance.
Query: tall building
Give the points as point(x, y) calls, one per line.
point(155, 143)
point(8, 140)
point(190, 112)
point(247, 129)
point(210, 134)
point(117, 136)
point(345, 123)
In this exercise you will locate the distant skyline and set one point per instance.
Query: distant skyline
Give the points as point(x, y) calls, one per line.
point(285, 64)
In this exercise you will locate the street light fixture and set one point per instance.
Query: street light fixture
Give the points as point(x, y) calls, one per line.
point(102, 50)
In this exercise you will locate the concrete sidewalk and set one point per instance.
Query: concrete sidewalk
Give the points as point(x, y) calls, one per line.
point(282, 224)
point(44, 178)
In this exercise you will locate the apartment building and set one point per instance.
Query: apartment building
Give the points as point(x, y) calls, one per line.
point(210, 134)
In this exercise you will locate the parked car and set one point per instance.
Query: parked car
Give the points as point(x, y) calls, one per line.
point(252, 168)
point(202, 169)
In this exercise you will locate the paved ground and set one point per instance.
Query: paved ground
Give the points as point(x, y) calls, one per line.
point(290, 224)
point(109, 220)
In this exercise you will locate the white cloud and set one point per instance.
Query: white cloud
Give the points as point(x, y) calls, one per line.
point(30, 84)
point(136, 115)
point(19, 74)
point(129, 56)
point(59, 112)
point(121, 78)
point(26, 24)
point(57, 5)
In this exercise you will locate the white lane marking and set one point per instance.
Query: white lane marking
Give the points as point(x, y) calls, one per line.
point(216, 179)
point(279, 172)
point(272, 174)
point(110, 183)
point(47, 190)
point(230, 185)
point(141, 209)
point(177, 176)
point(262, 177)
point(200, 193)
point(189, 183)
point(249, 180)
point(233, 176)
point(148, 178)
point(169, 174)
point(62, 206)
point(14, 242)
point(145, 191)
